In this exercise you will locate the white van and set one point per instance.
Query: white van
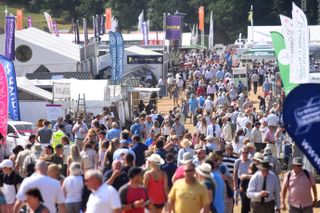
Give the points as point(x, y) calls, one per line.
point(18, 134)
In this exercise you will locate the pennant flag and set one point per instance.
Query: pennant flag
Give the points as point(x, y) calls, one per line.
point(300, 69)
point(283, 59)
point(14, 108)
point(98, 18)
point(85, 32)
point(113, 56)
point(108, 18)
point(211, 35)
point(10, 38)
point(120, 56)
point(250, 15)
point(49, 22)
point(102, 26)
point(3, 105)
point(29, 21)
point(145, 33)
point(55, 28)
point(173, 28)
point(287, 32)
point(19, 15)
point(197, 34)
point(140, 21)
point(77, 33)
point(201, 18)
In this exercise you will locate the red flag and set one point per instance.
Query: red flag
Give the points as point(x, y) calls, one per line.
point(3, 105)
point(19, 15)
point(201, 18)
point(108, 18)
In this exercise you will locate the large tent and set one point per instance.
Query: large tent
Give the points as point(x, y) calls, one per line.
point(39, 51)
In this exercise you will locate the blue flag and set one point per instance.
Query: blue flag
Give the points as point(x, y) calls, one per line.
point(120, 56)
point(13, 102)
point(113, 56)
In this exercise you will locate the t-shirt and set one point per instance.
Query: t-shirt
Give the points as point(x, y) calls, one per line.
point(104, 200)
point(139, 149)
point(73, 185)
point(121, 180)
point(188, 197)
point(129, 194)
point(50, 190)
point(45, 135)
point(9, 188)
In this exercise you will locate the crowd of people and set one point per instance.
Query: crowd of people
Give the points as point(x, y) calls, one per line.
point(234, 154)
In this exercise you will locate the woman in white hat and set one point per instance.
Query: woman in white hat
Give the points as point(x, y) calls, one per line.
point(204, 176)
point(156, 182)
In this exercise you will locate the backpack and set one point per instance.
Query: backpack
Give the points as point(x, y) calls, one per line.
point(30, 165)
point(305, 172)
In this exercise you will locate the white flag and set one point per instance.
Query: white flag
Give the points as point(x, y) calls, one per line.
point(300, 70)
point(49, 22)
point(197, 35)
point(114, 24)
point(287, 32)
point(211, 32)
point(140, 21)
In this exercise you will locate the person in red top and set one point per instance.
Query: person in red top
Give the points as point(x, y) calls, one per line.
point(156, 182)
point(200, 91)
point(133, 196)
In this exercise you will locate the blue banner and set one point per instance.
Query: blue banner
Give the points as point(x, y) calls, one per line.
point(145, 33)
point(13, 100)
point(113, 56)
point(10, 37)
point(173, 27)
point(102, 25)
point(120, 56)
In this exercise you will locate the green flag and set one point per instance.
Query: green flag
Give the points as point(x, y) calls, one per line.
point(283, 59)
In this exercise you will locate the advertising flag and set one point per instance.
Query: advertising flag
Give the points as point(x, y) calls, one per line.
point(287, 32)
point(211, 35)
point(173, 28)
point(120, 56)
point(300, 69)
point(102, 26)
point(108, 18)
point(55, 28)
point(145, 33)
point(49, 22)
point(29, 21)
point(85, 31)
point(19, 15)
point(3, 104)
point(140, 21)
point(283, 58)
point(201, 18)
point(98, 18)
point(10, 38)
point(250, 15)
point(113, 56)
point(14, 109)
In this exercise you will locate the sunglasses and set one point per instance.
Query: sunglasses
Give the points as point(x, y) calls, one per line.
point(189, 170)
point(244, 152)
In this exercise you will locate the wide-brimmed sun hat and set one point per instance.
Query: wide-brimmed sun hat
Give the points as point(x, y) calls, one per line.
point(155, 159)
point(204, 170)
point(187, 158)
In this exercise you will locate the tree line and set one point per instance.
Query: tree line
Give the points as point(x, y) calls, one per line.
point(230, 16)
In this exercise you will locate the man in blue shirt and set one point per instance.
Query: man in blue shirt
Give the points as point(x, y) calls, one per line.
point(220, 75)
point(139, 149)
point(193, 105)
point(114, 132)
point(266, 87)
point(137, 128)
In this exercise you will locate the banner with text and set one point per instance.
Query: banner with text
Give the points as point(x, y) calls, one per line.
point(10, 38)
point(120, 56)
point(173, 27)
point(113, 56)
point(3, 105)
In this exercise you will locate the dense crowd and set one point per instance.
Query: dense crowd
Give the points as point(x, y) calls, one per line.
point(234, 154)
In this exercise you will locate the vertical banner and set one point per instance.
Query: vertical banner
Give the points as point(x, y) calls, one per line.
point(173, 27)
point(283, 59)
point(49, 22)
point(120, 56)
point(287, 32)
point(145, 33)
point(3, 104)
point(300, 70)
point(29, 21)
point(201, 18)
point(55, 28)
point(85, 32)
point(98, 18)
point(108, 18)
point(102, 26)
point(19, 15)
point(14, 108)
point(211, 35)
point(140, 21)
point(113, 56)
point(77, 33)
point(10, 38)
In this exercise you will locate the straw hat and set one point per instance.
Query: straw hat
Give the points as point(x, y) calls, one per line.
point(258, 156)
point(204, 170)
point(297, 161)
point(185, 143)
point(155, 159)
point(187, 158)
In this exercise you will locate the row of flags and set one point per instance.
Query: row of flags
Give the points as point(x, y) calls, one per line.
point(292, 49)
